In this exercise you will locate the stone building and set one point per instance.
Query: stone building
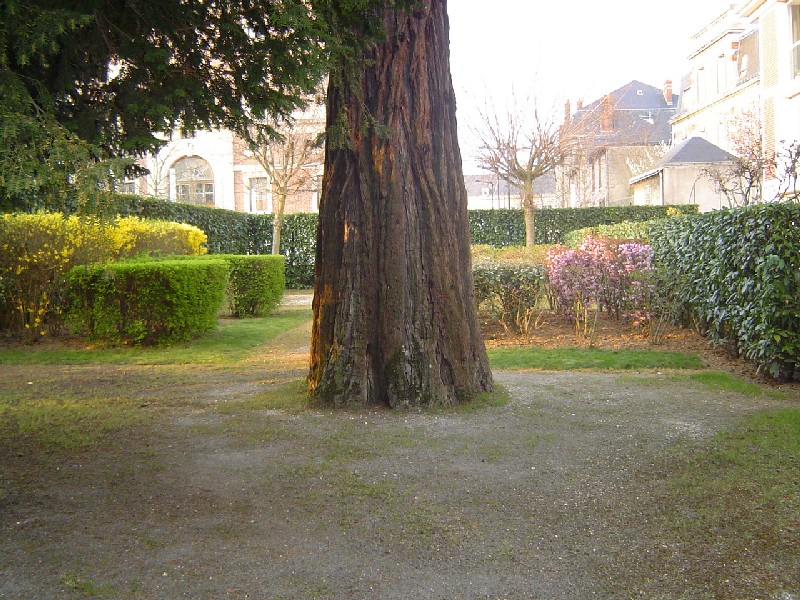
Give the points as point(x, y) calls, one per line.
point(607, 136)
point(216, 168)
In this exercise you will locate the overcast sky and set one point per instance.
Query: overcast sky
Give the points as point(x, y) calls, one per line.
point(572, 48)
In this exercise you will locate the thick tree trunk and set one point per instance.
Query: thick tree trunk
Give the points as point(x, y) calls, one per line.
point(277, 223)
point(529, 212)
point(394, 311)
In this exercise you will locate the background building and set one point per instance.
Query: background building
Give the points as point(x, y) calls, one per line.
point(611, 135)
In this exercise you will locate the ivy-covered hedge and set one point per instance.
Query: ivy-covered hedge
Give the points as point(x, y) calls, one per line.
point(146, 302)
point(739, 274)
point(507, 227)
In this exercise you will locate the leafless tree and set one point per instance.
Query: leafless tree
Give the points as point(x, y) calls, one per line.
point(740, 181)
point(788, 172)
point(519, 146)
point(649, 156)
point(292, 160)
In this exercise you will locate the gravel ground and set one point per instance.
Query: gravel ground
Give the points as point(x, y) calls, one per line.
point(553, 496)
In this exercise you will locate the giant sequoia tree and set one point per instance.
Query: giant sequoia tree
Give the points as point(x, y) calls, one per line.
point(394, 312)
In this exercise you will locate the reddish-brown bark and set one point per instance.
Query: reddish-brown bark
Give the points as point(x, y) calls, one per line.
point(394, 311)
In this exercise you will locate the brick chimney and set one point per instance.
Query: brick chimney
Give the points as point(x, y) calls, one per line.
point(579, 105)
point(668, 91)
point(606, 114)
point(567, 111)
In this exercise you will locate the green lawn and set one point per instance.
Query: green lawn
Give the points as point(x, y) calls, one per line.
point(565, 359)
point(231, 342)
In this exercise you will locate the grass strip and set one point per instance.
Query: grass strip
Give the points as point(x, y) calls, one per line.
point(566, 359)
point(231, 342)
point(737, 501)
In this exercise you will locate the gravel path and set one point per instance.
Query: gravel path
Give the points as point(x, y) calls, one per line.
point(549, 497)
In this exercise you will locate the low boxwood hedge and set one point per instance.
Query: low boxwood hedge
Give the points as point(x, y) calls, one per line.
point(146, 302)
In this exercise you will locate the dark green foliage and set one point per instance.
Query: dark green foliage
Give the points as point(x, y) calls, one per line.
point(501, 228)
point(740, 276)
point(85, 82)
point(509, 290)
point(147, 302)
point(231, 232)
point(298, 245)
point(256, 284)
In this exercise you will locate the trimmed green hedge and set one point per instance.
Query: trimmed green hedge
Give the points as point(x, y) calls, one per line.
point(739, 273)
point(146, 302)
point(501, 228)
point(627, 230)
point(231, 232)
point(256, 284)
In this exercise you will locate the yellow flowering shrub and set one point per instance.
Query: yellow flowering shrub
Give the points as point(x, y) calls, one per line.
point(37, 251)
point(135, 236)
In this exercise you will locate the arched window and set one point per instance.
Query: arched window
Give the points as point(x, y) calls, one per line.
point(194, 181)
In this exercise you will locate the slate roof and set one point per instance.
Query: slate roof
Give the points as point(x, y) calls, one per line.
point(693, 151)
point(641, 116)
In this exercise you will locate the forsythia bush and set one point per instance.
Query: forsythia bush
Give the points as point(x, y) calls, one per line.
point(134, 236)
point(37, 251)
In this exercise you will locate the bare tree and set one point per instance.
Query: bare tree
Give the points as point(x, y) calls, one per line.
point(788, 172)
point(156, 176)
point(292, 162)
point(519, 147)
point(740, 182)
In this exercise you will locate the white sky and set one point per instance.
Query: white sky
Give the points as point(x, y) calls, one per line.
point(574, 49)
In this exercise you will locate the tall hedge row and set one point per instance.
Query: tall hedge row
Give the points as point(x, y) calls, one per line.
point(501, 228)
point(738, 272)
point(231, 232)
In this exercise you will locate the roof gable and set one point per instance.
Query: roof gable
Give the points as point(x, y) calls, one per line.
point(695, 150)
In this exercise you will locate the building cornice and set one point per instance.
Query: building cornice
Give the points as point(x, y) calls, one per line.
point(750, 7)
point(754, 81)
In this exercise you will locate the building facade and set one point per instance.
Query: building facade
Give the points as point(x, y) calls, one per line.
point(778, 22)
point(608, 137)
point(216, 168)
point(722, 80)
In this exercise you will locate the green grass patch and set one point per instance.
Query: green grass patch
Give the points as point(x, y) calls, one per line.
point(725, 382)
point(565, 359)
point(234, 340)
point(87, 587)
point(719, 381)
point(63, 424)
point(739, 497)
point(291, 397)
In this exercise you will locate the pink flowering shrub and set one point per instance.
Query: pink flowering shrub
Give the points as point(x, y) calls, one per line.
point(600, 275)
